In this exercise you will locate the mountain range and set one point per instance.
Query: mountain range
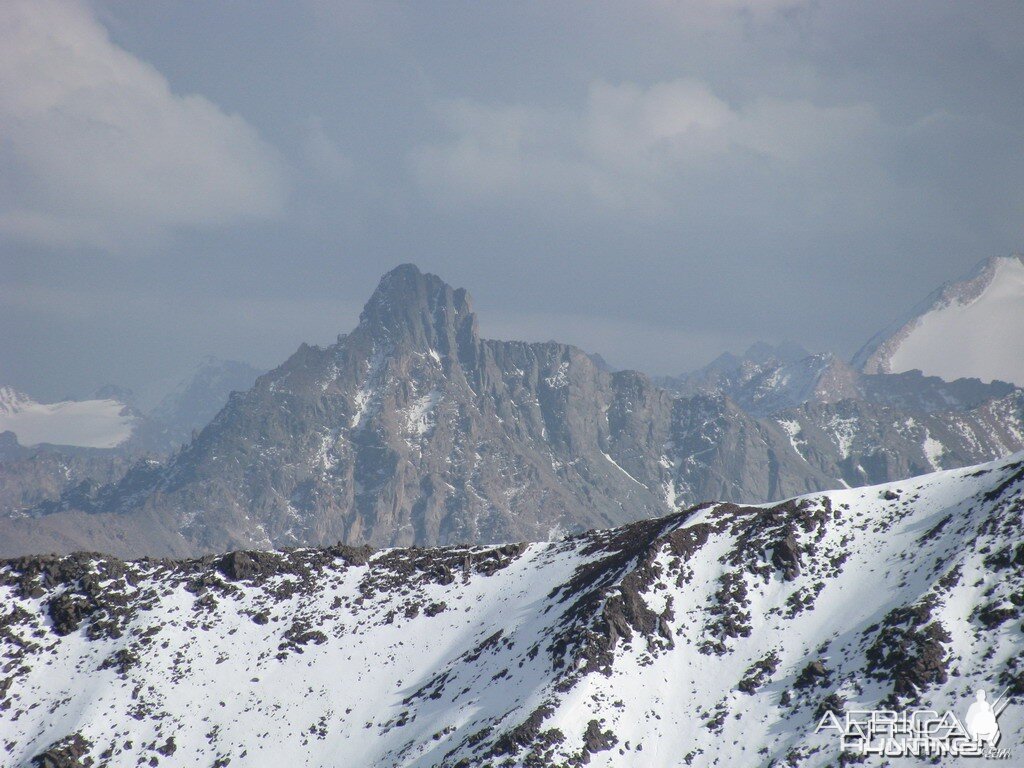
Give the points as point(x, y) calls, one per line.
point(766, 380)
point(48, 449)
point(720, 635)
point(414, 430)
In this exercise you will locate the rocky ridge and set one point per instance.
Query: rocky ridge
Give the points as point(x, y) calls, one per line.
point(715, 636)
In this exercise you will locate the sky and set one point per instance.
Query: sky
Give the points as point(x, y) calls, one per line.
point(655, 181)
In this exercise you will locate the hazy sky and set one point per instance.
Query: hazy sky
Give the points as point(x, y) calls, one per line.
point(654, 181)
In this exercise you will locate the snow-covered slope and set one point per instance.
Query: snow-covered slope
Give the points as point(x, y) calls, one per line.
point(715, 636)
point(971, 328)
point(84, 423)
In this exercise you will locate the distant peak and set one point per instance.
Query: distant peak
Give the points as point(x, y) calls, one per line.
point(966, 328)
point(406, 284)
point(114, 392)
point(1014, 261)
point(402, 271)
point(420, 305)
point(971, 283)
point(214, 363)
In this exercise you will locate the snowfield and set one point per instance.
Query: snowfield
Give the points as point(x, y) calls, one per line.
point(974, 328)
point(714, 636)
point(983, 338)
point(82, 423)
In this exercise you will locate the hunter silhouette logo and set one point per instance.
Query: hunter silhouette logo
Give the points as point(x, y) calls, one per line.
point(981, 719)
point(921, 732)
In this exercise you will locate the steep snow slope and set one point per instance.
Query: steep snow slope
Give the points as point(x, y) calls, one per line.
point(84, 423)
point(972, 328)
point(715, 636)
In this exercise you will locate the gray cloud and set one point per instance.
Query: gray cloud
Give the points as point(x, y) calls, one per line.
point(98, 150)
point(636, 149)
point(654, 181)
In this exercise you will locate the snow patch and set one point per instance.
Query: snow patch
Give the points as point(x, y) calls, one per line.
point(982, 338)
point(616, 465)
point(933, 451)
point(82, 423)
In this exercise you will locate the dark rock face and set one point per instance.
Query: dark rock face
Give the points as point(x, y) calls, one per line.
point(69, 752)
point(910, 650)
point(30, 477)
point(865, 429)
point(786, 557)
point(67, 611)
point(812, 675)
point(758, 673)
point(239, 566)
point(865, 443)
point(595, 740)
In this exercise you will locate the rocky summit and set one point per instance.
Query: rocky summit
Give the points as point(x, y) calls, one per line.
point(414, 430)
point(716, 636)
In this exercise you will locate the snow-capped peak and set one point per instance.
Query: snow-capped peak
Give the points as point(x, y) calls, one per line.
point(971, 328)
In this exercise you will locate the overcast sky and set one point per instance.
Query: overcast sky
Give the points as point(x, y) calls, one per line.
point(657, 182)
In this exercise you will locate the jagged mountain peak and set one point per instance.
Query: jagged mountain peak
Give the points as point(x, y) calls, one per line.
point(197, 398)
point(413, 430)
point(419, 307)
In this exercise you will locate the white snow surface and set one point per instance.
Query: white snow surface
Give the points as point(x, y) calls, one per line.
point(981, 338)
point(420, 417)
point(82, 423)
point(428, 657)
point(793, 429)
point(933, 450)
point(616, 464)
